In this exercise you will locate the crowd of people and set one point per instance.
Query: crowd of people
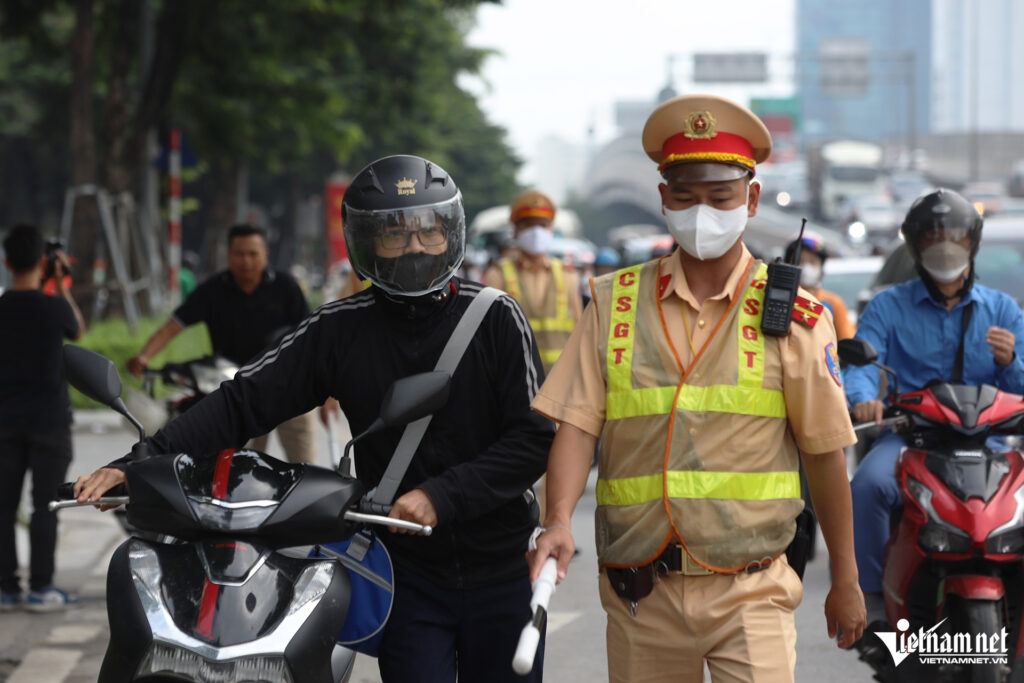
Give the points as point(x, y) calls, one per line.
point(701, 419)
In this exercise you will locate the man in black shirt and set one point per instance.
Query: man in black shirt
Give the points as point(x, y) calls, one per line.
point(35, 413)
point(245, 308)
point(461, 594)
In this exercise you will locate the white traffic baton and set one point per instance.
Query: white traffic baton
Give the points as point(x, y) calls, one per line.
point(543, 588)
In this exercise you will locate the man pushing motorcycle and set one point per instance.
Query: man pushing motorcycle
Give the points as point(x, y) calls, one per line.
point(942, 325)
point(462, 594)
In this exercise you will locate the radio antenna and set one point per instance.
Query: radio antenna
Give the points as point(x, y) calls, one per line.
point(799, 242)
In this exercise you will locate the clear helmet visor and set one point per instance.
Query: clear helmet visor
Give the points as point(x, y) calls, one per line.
point(409, 251)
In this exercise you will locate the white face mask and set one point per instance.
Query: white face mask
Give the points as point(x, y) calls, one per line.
point(705, 232)
point(945, 261)
point(535, 240)
point(810, 276)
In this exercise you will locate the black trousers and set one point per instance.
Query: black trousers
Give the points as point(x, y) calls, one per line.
point(47, 455)
point(435, 634)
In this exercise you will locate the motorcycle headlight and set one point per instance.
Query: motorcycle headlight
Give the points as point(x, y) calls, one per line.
point(1008, 538)
point(937, 535)
point(170, 659)
point(1007, 543)
point(221, 515)
point(940, 539)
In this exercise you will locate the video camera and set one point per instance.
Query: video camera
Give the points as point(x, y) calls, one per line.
point(53, 245)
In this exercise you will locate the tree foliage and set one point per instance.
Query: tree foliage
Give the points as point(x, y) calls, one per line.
point(290, 89)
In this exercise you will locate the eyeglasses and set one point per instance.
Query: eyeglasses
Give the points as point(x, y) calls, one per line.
point(939, 233)
point(398, 238)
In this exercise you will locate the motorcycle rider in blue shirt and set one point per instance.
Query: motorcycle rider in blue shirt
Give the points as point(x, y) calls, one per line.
point(917, 328)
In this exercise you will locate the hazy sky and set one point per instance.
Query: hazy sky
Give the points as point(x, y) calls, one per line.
point(563, 63)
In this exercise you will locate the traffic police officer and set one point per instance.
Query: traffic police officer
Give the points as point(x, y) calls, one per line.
point(548, 292)
point(701, 417)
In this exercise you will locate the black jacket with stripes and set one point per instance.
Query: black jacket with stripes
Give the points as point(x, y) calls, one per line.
point(479, 454)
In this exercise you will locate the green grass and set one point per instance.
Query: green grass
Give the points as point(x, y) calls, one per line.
point(113, 339)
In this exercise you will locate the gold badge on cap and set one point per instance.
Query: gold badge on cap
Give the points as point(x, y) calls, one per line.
point(406, 186)
point(700, 125)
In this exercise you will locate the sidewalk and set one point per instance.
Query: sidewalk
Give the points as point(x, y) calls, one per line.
point(46, 648)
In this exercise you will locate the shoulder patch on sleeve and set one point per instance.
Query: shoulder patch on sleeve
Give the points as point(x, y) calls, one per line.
point(832, 361)
point(806, 311)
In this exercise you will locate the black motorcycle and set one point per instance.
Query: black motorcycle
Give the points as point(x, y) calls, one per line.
point(238, 597)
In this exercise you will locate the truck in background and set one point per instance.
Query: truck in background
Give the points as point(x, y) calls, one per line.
point(841, 169)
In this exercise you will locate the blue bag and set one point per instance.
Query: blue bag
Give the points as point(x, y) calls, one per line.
point(373, 583)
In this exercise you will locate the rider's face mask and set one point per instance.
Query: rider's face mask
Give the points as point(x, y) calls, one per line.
point(945, 261)
point(705, 232)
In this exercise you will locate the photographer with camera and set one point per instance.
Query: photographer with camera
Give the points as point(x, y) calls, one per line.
point(54, 253)
point(35, 412)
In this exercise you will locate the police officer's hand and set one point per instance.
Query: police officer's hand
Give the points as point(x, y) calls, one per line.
point(868, 411)
point(91, 487)
point(1001, 343)
point(845, 613)
point(136, 364)
point(414, 506)
point(557, 542)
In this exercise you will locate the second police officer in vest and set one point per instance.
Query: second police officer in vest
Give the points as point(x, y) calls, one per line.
point(701, 418)
point(548, 292)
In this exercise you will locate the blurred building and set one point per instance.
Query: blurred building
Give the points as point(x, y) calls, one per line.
point(863, 68)
point(558, 167)
point(978, 66)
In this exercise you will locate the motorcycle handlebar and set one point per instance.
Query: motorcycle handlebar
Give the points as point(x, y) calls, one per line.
point(424, 529)
point(117, 495)
point(896, 419)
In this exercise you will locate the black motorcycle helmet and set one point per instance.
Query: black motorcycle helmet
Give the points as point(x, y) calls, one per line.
point(942, 208)
point(388, 200)
point(946, 210)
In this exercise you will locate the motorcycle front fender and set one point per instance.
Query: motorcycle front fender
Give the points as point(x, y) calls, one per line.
point(974, 587)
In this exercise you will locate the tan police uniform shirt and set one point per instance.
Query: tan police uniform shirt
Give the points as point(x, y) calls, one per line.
point(574, 390)
point(534, 280)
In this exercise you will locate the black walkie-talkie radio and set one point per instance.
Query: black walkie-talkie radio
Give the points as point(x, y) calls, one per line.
point(780, 291)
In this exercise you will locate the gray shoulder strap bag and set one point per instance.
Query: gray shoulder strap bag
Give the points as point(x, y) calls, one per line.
point(381, 497)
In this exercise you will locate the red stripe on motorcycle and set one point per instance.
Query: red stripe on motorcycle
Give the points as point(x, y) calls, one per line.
point(207, 608)
point(221, 472)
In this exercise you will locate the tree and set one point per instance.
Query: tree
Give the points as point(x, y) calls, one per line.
point(290, 90)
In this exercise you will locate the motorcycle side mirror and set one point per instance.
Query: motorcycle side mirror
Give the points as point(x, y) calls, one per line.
point(856, 352)
point(92, 374)
point(406, 400)
point(415, 397)
point(96, 377)
point(860, 352)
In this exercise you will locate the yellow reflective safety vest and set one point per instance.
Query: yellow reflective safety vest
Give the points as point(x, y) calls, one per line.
point(552, 321)
point(702, 457)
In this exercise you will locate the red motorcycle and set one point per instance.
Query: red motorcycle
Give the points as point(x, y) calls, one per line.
point(953, 578)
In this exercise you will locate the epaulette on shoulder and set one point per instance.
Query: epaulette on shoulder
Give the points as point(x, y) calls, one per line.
point(806, 311)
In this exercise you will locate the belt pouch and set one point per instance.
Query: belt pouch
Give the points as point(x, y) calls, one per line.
point(631, 583)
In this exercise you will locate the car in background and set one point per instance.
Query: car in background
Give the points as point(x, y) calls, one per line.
point(988, 196)
point(871, 219)
point(785, 185)
point(999, 263)
point(906, 186)
point(851, 279)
